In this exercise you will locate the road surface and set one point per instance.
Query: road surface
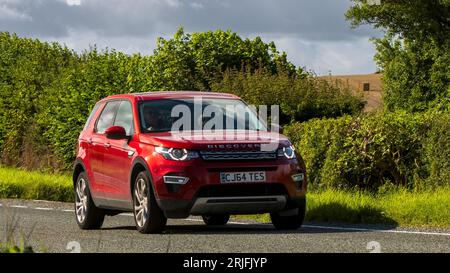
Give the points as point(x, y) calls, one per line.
point(51, 227)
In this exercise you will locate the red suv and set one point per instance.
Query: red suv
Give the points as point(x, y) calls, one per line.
point(130, 158)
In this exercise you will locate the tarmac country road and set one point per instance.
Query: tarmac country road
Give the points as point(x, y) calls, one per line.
point(52, 228)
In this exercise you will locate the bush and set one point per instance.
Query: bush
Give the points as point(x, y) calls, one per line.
point(194, 61)
point(300, 96)
point(416, 75)
point(368, 152)
point(71, 99)
point(437, 151)
point(27, 68)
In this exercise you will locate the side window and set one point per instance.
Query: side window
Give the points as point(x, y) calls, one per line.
point(91, 116)
point(106, 118)
point(124, 117)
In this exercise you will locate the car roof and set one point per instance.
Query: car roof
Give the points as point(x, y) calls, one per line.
point(171, 95)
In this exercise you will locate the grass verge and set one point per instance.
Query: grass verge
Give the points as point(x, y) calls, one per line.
point(17, 183)
point(430, 208)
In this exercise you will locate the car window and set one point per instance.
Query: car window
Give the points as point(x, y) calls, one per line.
point(124, 117)
point(106, 119)
point(156, 115)
point(91, 116)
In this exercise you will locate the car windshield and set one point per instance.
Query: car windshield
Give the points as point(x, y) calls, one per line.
point(197, 114)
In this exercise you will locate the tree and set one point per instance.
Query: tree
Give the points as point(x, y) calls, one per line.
point(414, 54)
point(192, 61)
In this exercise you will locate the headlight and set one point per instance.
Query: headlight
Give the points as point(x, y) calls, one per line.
point(176, 154)
point(288, 152)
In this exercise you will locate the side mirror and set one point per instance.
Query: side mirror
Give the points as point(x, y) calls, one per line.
point(116, 132)
point(275, 127)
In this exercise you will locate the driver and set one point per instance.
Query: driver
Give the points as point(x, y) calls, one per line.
point(152, 118)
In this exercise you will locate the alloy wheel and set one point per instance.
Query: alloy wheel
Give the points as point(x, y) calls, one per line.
point(141, 212)
point(81, 200)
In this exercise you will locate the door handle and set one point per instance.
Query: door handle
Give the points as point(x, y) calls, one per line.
point(107, 145)
point(89, 141)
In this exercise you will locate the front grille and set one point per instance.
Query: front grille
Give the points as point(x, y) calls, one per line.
point(242, 190)
point(238, 155)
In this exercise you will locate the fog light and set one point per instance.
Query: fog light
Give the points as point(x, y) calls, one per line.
point(181, 180)
point(298, 177)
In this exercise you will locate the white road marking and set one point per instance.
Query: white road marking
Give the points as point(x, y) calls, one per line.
point(378, 230)
point(19, 207)
point(346, 228)
point(38, 208)
point(306, 226)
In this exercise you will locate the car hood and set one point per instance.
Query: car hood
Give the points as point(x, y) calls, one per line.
point(239, 140)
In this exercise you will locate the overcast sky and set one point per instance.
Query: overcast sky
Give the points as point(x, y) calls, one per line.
point(314, 33)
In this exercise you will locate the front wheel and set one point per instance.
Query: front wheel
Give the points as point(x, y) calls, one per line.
point(148, 215)
point(88, 216)
point(291, 219)
point(215, 220)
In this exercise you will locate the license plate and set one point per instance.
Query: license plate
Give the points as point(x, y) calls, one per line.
point(231, 177)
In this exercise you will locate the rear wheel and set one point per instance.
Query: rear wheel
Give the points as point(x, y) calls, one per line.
point(88, 216)
point(291, 219)
point(148, 215)
point(215, 220)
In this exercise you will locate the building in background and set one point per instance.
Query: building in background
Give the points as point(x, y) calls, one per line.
point(369, 86)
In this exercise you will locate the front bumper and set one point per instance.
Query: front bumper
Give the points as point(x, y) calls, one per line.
point(228, 205)
point(204, 194)
point(238, 205)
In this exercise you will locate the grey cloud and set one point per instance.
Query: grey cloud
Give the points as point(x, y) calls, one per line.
point(314, 33)
point(309, 19)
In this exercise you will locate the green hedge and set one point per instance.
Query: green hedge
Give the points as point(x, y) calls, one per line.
point(376, 151)
point(300, 97)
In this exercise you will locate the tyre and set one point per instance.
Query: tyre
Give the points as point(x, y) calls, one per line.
point(87, 215)
point(215, 220)
point(148, 216)
point(290, 221)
